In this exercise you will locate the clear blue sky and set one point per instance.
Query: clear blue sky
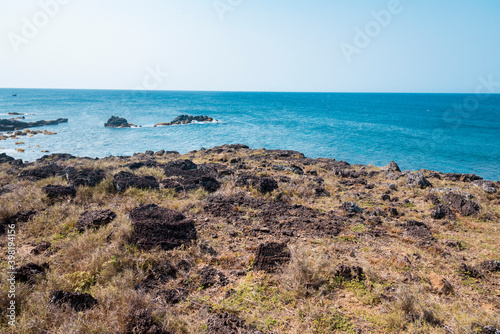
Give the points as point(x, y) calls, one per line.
point(257, 45)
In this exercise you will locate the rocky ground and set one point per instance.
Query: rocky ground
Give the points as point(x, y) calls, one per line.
point(234, 240)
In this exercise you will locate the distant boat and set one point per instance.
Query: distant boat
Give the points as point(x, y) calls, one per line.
point(14, 95)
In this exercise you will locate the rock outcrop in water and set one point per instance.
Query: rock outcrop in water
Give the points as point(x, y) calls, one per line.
point(118, 122)
point(186, 119)
point(12, 125)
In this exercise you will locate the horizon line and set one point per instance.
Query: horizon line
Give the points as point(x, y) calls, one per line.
point(246, 91)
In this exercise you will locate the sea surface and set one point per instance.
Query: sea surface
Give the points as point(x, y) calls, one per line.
point(444, 132)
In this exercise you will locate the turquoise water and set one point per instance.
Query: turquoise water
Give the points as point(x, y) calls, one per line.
point(415, 130)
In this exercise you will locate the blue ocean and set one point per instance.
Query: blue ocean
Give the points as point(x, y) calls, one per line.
point(443, 132)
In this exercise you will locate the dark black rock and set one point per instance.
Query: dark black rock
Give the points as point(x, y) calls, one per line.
point(43, 172)
point(155, 226)
point(12, 125)
point(393, 167)
point(442, 211)
point(29, 272)
point(77, 301)
point(270, 256)
point(182, 164)
point(211, 277)
point(57, 191)
point(85, 177)
point(117, 122)
point(124, 180)
point(461, 204)
point(228, 323)
point(351, 207)
point(95, 219)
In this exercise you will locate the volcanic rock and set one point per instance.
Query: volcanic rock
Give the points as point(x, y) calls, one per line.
point(141, 322)
point(211, 276)
point(28, 273)
point(117, 122)
point(270, 256)
point(12, 125)
point(393, 167)
point(417, 179)
point(186, 119)
point(459, 203)
point(487, 186)
point(43, 172)
point(442, 211)
point(94, 219)
point(77, 301)
point(124, 180)
point(155, 226)
point(57, 191)
point(228, 323)
point(174, 296)
point(85, 177)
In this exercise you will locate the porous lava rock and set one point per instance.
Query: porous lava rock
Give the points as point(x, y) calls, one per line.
point(228, 323)
point(461, 204)
point(160, 227)
point(76, 300)
point(124, 180)
point(271, 255)
point(417, 180)
point(140, 321)
point(85, 177)
point(58, 192)
point(211, 277)
point(42, 172)
point(442, 211)
point(29, 272)
point(94, 219)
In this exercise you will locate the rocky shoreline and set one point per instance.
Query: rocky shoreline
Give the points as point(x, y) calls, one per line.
point(231, 239)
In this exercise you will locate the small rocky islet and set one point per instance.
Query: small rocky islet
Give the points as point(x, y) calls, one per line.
point(236, 240)
point(120, 122)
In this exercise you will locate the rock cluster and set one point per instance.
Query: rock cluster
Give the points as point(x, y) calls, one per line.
point(12, 125)
point(186, 119)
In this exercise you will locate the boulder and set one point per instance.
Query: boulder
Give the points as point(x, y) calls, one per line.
point(487, 186)
point(124, 180)
point(29, 272)
point(56, 157)
point(12, 125)
point(271, 255)
point(95, 219)
point(351, 207)
point(57, 191)
point(393, 167)
point(418, 231)
point(85, 177)
point(461, 204)
point(442, 211)
point(77, 301)
point(4, 158)
point(117, 122)
point(417, 180)
point(43, 172)
point(166, 229)
point(182, 165)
